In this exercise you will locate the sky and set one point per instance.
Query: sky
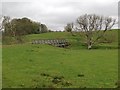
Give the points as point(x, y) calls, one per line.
point(57, 13)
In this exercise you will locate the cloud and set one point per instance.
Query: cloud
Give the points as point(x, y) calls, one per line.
point(57, 13)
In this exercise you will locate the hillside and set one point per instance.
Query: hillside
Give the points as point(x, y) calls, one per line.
point(28, 65)
point(77, 41)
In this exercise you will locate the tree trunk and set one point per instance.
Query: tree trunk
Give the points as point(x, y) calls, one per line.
point(89, 46)
point(89, 42)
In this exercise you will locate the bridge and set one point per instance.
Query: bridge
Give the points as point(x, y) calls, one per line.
point(54, 42)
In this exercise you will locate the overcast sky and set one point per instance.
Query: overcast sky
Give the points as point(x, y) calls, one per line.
point(57, 13)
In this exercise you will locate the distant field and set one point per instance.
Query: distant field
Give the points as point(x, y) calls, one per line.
point(27, 65)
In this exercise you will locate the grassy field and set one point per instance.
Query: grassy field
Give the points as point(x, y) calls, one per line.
point(27, 65)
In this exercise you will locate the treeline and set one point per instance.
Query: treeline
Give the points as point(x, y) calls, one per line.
point(17, 28)
point(24, 26)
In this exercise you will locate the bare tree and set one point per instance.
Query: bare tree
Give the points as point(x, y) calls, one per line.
point(1, 27)
point(1, 19)
point(92, 24)
point(7, 25)
point(69, 28)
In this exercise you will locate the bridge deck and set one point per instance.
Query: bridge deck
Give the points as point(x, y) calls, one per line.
point(54, 42)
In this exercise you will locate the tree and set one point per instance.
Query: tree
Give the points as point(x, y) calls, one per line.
point(94, 25)
point(1, 19)
point(43, 28)
point(7, 26)
point(69, 28)
point(1, 27)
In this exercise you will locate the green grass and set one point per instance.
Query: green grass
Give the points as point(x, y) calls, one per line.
point(23, 64)
point(0, 67)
